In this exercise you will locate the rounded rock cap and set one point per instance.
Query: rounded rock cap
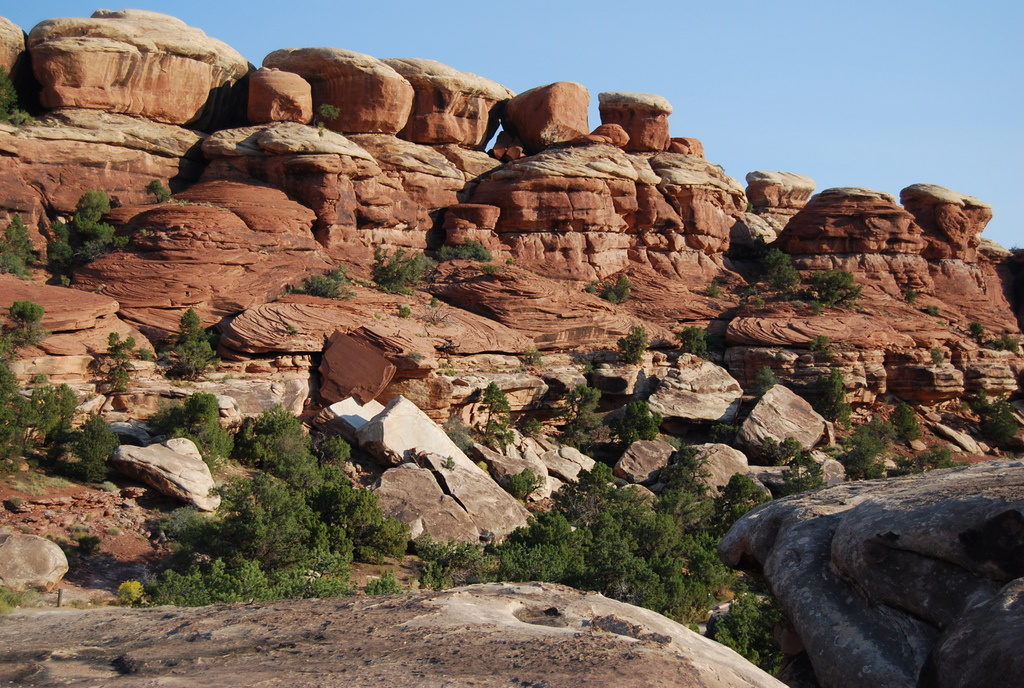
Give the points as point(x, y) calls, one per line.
point(634, 101)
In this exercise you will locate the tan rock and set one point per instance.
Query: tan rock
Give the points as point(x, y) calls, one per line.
point(402, 431)
point(643, 460)
point(449, 106)
point(643, 116)
point(346, 417)
point(778, 415)
point(371, 96)
point(696, 391)
point(548, 114)
point(12, 44)
point(276, 96)
point(952, 222)
point(779, 195)
point(29, 562)
point(133, 62)
point(174, 468)
point(721, 462)
point(565, 463)
point(504, 465)
point(412, 495)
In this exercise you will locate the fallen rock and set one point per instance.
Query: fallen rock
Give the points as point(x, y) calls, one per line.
point(565, 463)
point(412, 495)
point(276, 96)
point(174, 468)
point(449, 106)
point(371, 97)
point(643, 460)
point(345, 417)
point(781, 413)
point(353, 368)
point(643, 116)
point(696, 391)
point(303, 643)
point(961, 439)
point(137, 63)
point(401, 431)
point(548, 114)
point(29, 562)
point(721, 462)
point(878, 576)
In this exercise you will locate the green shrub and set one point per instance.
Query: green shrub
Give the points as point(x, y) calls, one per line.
point(471, 250)
point(459, 434)
point(780, 453)
point(1006, 342)
point(932, 310)
point(830, 399)
point(333, 451)
point(634, 344)
point(904, 420)
point(803, 473)
point(977, 331)
point(193, 350)
point(117, 362)
point(693, 340)
point(614, 292)
point(521, 485)
point(998, 423)
point(532, 428)
point(25, 324)
point(821, 344)
point(492, 269)
point(776, 268)
point(130, 593)
point(911, 296)
point(938, 355)
point(638, 422)
point(16, 253)
point(333, 285)
point(89, 448)
point(934, 457)
point(532, 357)
point(387, 584)
point(395, 273)
point(865, 450)
point(86, 237)
point(275, 442)
point(89, 545)
point(834, 287)
point(749, 629)
point(764, 379)
point(495, 429)
point(197, 419)
point(449, 564)
point(580, 418)
point(404, 311)
point(714, 291)
point(158, 191)
point(737, 497)
point(9, 110)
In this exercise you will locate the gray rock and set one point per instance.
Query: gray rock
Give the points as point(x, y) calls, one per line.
point(411, 494)
point(643, 461)
point(30, 562)
point(779, 414)
point(961, 439)
point(174, 468)
point(696, 391)
point(401, 431)
point(721, 462)
point(870, 573)
point(565, 463)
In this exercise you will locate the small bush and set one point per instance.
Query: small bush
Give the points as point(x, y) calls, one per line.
point(197, 419)
point(580, 418)
point(803, 473)
point(158, 191)
point(532, 357)
point(932, 458)
point(911, 296)
point(89, 545)
point(404, 311)
point(977, 331)
point(16, 253)
point(334, 451)
point(25, 328)
point(764, 380)
point(777, 270)
point(492, 269)
point(866, 449)
point(89, 448)
point(831, 397)
point(821, 343)
point(459, 434)
point(638, 422)
point(780, 453)
point(998, 423)
point(471, 250)
point(693, 340)
point(193, 350)
point(634, 344)
point(387, 584)
point(396, 273)
point(615, 292)
point(333, 285)
point(130, 594)
point(448, 564)
point(749, 628)
point(1006, 342)
point(938, 355)
point(520, 486)
point(532, 428)
point(9, 110)
point(495, 430)
point(714, 291)
point(834, 287)
point(932, 310)
point(904, 420)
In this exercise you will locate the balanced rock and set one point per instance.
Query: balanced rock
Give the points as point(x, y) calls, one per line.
point(696, 391)
point(29, 562)
point(778, 415)
point(851, 220)
point(548, 114)
point(449, 106)
point(779, 195)
point(952, 222)
point(371, 97)
point(174, 468)
point(345, 417)
point(880, 579)
point(402, 431)
point(276, 96)
point(134, 62)
point(644, 117)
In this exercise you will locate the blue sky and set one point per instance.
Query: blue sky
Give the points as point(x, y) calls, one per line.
point(873, 94)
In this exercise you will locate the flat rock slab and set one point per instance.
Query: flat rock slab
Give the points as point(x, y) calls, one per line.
point(490, 636)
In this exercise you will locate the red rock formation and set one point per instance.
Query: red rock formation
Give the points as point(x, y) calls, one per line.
point(644, 116)
point(46, 166)
point(778, 195)
point(370, 96)
point(12, 44)
point(850, 220)
point(686, 146)
point(230, 246)
point(952, 222)
point(352, 368)
point(548, 114)
point(276, 96)
point(449, 106)
point(133, 62)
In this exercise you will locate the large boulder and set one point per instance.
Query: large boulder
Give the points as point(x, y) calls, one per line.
point(548, 114)
point(371, 96)
point(353, 368)
point(952, 221)
point(30, 562)
point(134, 62)
point(174, 468)
point(882, 579)
point(721, 462)
point(449, 106)
point(778, 415)
point(402, 431)
point(276, 96)
point(643, 116)
point(12, 44)
point(696, 391)
point(535, 634)
point(779, 195)
point(643, 460)
point(412, 495)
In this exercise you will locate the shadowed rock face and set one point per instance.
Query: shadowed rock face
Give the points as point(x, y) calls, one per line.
point(881, 578)
point(491, 636)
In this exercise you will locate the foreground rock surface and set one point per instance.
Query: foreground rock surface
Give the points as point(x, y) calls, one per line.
point(883, 580)
point(493, 635)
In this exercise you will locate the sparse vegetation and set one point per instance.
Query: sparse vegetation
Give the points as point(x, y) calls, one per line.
point(834, 288)
point(693, 340)
point(911, 296)
point(397, 273)
point(932, 310)
point(470, 250)
point(1006, 342)
point(633, 345)
point(764, 380)
point(932, 458)
point(193, 350)
point(9, 110)
point(714, 291)
point(16, 253)
point(531, 357)
point(977, 331)
point(938, 355)
point(25, 324)
point(614, 292)
point(332, 285)
point(821, 344)
point(159, 192)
